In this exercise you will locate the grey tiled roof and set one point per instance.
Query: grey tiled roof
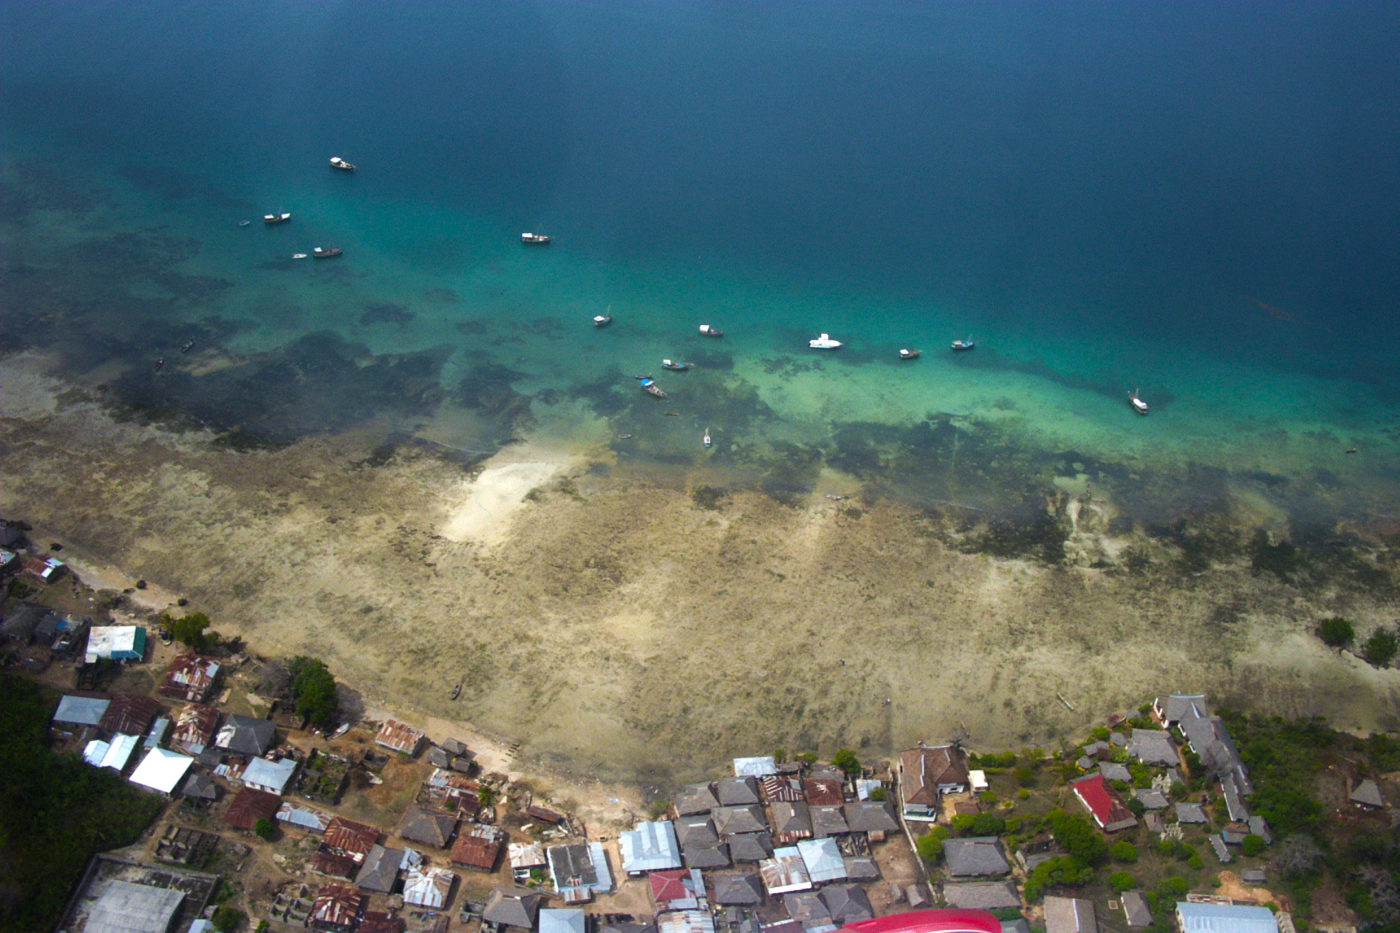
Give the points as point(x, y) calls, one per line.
point(975, 856)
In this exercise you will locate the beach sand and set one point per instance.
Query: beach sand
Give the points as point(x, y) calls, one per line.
point(607, 627)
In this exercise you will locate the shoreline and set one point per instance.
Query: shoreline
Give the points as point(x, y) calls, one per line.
point(642, 633)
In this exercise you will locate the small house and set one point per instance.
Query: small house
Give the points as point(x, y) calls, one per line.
point(116, 643)
point(785, 872)
point(512, 907)
point(401, 737)
point(190, 678)
point(1103, 803)
point(1069, 915)
point(379, 872)
point(428, 827)
point(1367, 795)
point(846, 903)
point(245, 735)
point(162, 770)
point(649, 847)
point(675, 889)
point(249, 806)
point(579, 871)
point(1135, 910)
point(478, 847)
point(129, 714)
point(1224, 918)
point(694, 799)
point(823, 860)
point(194, 727)
point(980, 895)
point(45, 569)
point(736, 889)
point(926, 774)
point(268, 775)
point(428, 887)
point(561, 920)
point(336, 908)
point(975, 856)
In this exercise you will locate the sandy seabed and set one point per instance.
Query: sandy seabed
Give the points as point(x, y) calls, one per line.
point(631, 632)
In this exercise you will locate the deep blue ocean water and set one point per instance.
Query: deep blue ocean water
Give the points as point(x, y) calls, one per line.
point(1197, 200)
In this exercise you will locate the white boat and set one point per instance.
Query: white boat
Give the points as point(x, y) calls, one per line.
point(1138, 404)
point(534, 239)
point(300, 255)
point(602, 320)
point(675, 365)
point(706, 438)
point(280, 217)
point(824, 342)
point(967, 344)
point(338, 162)
point(710, 330)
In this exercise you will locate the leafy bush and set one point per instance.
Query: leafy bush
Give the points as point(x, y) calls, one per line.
point(1196, 862)
point(1336, 632)
point(265, 828)
point(1175, 886)
point(1380, 648)
point(189, 630)
point(1080, 838)
point(227, 919)
point(879, 793)
point(846, 760)
point(1121, 881)
point(1123, 851)
point(1025, 776)
point(1252, 845)
point(930, 844)
point(1061, 871)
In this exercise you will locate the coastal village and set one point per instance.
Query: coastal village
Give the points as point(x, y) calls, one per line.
point(378, 826)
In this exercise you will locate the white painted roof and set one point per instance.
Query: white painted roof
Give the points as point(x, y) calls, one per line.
point(161, 770)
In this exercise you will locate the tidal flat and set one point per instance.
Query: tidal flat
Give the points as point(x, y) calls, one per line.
point(643, 629)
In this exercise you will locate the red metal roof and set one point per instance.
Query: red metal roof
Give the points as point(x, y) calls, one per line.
point(250, 806)
point(929, 921)
point(1108, 808)
point(667, 886)
point(346, 837)
point(195, 726)
point(190, 678)
point(478, 847)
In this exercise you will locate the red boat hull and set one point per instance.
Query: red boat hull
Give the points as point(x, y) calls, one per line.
point(929, 921)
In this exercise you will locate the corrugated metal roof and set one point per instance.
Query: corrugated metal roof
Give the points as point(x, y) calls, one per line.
point(1225, 918)
point(303, 816)
point(649, 847)
point(126, 907)
point(81, 711)
point(823, 859)
point(785, 871)
point(428, 887)
point(399, 736)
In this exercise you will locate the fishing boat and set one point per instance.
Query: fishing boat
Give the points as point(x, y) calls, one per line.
point(278, 218)
point(824, 342)
point(188, 345)
point(338, 162)
point(300, 255)
point(906, 354)
point(1138, 404)
point(675, 366)
point(602, 320)
point(650, 387)
point(326, 252)
point(967, 344)
point(710, 330)
point(706, 438)
point(535, 239)
point(456, 691)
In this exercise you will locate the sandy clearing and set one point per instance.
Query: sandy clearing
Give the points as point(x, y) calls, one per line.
point(481, 509)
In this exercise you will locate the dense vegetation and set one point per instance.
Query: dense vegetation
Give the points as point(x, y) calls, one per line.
point(314, 690)
point(56, 811)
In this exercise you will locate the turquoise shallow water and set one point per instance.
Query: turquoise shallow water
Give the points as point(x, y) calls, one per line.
point(1191, 201)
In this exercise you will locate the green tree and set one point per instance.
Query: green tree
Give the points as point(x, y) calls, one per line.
point(189, 630)
point(486, 796)
point(846, 760)
point(1079, 837)
point(265, 828)
point(314, 689)
point(1123, 851)
point(1252, 845)
point(1380, 648)
point(930, 844)
point(227, 919)
point(1336, 632)
point(879, 793)
point(1121, 881)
